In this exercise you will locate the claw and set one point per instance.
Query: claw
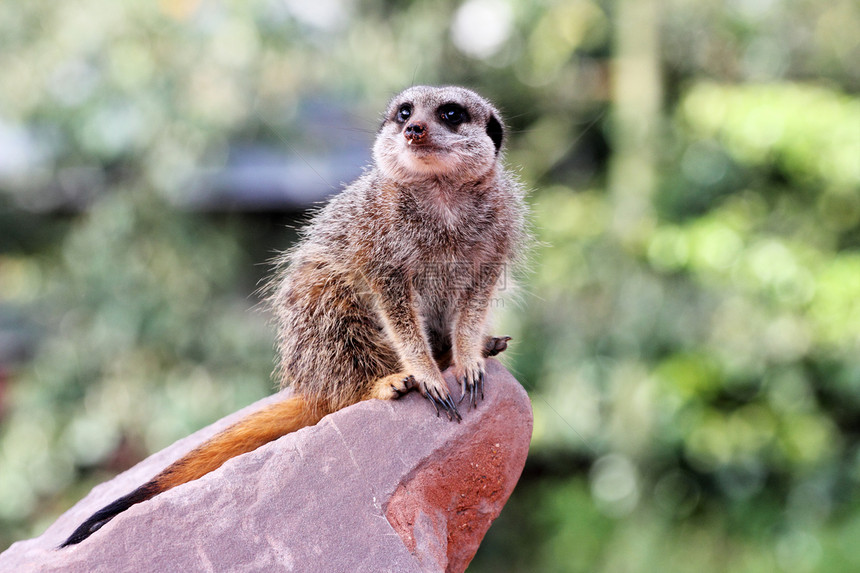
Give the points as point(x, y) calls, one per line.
point(447, 405)
point(453, 408)
point(440, 403)
point(481, 381)
point(433, 401)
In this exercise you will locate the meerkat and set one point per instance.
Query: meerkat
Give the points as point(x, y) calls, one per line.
point(390, 284)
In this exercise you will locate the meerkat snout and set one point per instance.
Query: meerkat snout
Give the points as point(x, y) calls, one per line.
point(415, 132)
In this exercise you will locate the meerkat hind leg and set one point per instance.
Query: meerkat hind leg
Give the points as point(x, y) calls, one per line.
point(495, 345)
point(392, 386)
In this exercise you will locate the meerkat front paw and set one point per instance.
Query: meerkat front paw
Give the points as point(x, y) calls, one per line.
point(437, 392)
point(396, 385)
point(470, 377)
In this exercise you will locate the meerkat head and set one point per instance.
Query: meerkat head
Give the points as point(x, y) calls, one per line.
point(432, 132)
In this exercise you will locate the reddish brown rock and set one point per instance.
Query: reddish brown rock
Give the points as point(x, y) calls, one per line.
point(379, 486)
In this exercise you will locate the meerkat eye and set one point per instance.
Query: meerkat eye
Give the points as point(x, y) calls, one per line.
point(404, 112)
point(453, 114)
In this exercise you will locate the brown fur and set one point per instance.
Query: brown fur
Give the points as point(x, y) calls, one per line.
point(403, 264)
point(245, 436)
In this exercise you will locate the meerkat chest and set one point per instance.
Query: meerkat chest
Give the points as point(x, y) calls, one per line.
point(445, 234)
point(445, 212)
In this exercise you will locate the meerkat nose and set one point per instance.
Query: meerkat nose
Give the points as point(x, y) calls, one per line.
point(415, 132)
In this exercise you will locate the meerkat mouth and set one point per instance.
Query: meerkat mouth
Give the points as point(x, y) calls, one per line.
point(428, 155)
point(425, 147)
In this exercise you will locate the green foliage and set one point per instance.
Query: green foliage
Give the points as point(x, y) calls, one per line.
point(131, 349)
point(694, 368)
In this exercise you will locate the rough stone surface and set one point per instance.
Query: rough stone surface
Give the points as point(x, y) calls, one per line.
point(379, 486)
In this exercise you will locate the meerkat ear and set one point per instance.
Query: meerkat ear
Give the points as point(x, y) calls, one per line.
point(495, 131)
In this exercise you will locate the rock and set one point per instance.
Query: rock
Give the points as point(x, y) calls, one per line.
point(378, 486)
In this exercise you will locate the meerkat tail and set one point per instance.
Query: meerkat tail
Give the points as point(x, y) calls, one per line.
point(245, 436)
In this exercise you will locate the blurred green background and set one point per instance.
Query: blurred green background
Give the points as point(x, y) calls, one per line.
point(688, 330)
